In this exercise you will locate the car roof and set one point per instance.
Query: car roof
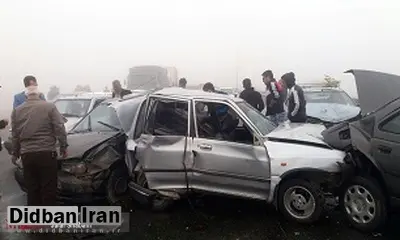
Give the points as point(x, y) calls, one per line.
point(89, 95)
point(321, 89)
point(193, 94)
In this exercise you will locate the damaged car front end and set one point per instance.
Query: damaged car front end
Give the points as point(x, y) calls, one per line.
point(374, 144)
point(189, 142)
point(95, 167)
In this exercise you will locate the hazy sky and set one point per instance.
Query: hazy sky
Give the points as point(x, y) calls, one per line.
point(70, 42)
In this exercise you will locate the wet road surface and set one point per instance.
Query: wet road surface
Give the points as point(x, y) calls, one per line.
point(209, 218)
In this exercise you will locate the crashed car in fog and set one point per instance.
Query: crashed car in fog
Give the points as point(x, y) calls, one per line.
point(374, 145)
point(161, 146)
point(329, 105)
point(187, 141)
point(95, 167)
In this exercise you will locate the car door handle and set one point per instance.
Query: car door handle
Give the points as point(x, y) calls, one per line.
point(384, 149)
point(204, 146)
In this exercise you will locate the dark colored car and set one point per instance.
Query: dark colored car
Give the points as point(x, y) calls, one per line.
point(374, 143)
point(95, 167)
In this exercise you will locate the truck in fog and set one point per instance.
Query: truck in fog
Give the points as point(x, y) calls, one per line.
point(151, 77)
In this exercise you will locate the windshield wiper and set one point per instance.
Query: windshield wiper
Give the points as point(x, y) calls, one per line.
point(109, 126)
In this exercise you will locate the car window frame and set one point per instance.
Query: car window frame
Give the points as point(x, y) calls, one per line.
point(168, 98)
point(256, 134)
point(389, 117)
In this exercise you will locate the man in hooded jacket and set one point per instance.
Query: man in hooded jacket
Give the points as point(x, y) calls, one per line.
point(296, 102)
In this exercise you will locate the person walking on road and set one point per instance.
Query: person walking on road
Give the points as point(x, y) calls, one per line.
point(20, 98)
point(251, 96)
point(296, 100)
point(37, 126)
point(275, 98)
point(118, 91)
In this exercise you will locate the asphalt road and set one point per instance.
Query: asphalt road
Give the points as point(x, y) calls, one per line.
point(210, 218)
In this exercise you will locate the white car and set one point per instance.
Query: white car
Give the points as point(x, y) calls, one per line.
point(75, 106)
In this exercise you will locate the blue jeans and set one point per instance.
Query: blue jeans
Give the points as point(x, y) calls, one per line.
point(278, 118)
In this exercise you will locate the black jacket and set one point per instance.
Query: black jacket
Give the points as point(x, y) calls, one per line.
point(296, 105)
point(275, 99)
point(253, 98)
point(124, 92)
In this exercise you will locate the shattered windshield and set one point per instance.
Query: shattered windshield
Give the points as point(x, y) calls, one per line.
point(338, 97)
point(101, 119)
point(73, 107)
point(264, 125)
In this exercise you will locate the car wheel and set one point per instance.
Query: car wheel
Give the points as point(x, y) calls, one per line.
point(117, 185)
point(364, 204)
point(300, 200)
point(159, 203)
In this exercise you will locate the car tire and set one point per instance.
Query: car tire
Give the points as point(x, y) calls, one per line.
point(159, 203)
point(300, 200)
point(357, 195)
point(117, 184)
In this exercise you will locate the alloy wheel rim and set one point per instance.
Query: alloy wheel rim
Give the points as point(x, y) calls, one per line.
point(299, 202)
point(359, 204)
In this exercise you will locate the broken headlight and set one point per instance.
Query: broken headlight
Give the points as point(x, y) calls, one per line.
point(74, 168)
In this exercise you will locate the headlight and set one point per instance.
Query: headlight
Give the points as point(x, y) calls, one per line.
point(75, 169)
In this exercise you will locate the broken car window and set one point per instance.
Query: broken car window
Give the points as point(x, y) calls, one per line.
point(99, 120)
point(393, 125)
point(167, 117)
point(264, 125)
point(219, 121)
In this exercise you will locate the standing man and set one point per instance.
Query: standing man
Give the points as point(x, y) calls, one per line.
point(275, 98)
point(251, 96)
point(36, 127)
point(20, 98)
point(296, 100)
point(118, 91)
point(182, 83)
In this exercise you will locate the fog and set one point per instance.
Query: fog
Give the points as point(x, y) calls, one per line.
point(72, 42)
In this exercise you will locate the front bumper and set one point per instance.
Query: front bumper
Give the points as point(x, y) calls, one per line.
point(70, 190)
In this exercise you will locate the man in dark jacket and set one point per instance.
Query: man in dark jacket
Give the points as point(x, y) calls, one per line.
point(275, 98)
point(118, 91)
point(251, 96)
point(296, 100)
point(37, 126)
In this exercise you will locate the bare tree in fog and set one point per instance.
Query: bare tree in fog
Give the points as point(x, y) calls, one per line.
point(53, 92)
point(83, 88)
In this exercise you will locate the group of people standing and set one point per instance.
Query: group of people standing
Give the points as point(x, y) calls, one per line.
point(284, 99)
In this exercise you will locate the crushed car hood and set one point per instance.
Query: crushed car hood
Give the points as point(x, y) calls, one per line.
point(332, 112)
point(375, 89)
point(298, 132)
point(79, 143)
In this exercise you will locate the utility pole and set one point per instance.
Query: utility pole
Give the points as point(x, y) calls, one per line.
point(237, 68)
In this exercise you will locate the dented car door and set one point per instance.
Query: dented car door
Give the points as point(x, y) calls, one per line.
point(162, 145)
point(227, 160)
